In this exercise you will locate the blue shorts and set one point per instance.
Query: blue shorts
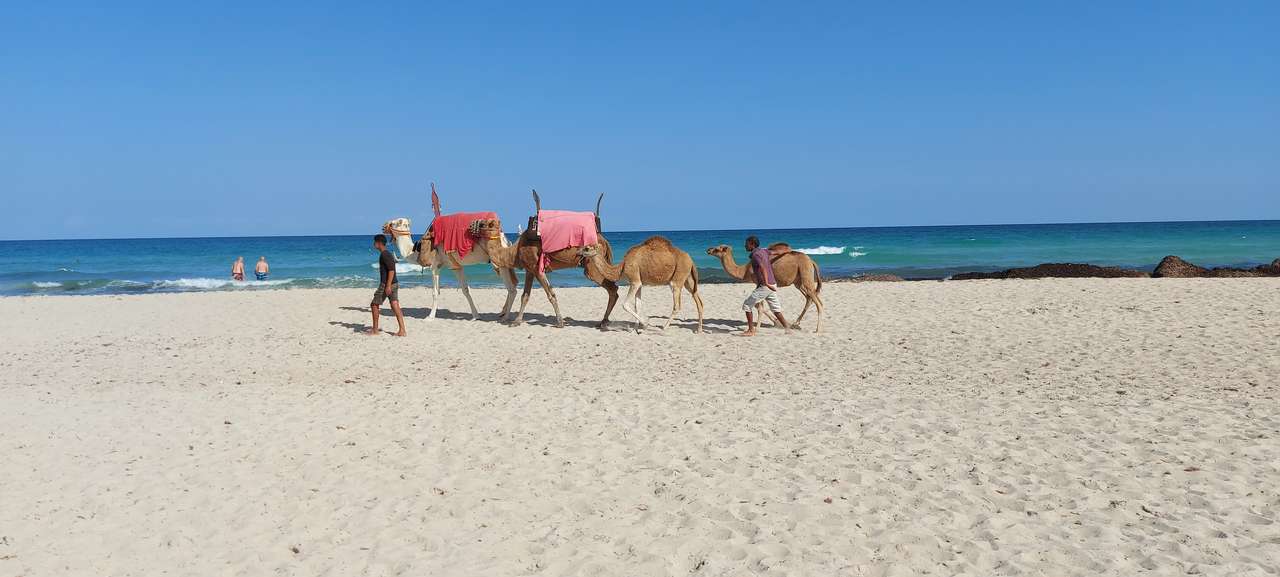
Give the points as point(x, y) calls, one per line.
point(260, 275)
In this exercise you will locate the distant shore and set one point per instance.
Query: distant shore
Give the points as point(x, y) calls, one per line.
point(143, 266)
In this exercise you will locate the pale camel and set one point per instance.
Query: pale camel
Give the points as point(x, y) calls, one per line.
point(789, 268)
point(427, 254)
point(653, 262)
point(526, 253)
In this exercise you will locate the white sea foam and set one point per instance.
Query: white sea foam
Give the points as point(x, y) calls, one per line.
point(218, 283)
point(404, 267)
point(45, 285)
point(856, 254)
point(822, 250)
point(127, 284)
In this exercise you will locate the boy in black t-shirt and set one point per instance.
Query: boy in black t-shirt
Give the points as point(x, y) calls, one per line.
point(388, 288)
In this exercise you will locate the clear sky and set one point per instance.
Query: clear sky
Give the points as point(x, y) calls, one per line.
point(122, 119)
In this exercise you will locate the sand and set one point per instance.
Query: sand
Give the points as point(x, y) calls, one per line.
point(1054, 427)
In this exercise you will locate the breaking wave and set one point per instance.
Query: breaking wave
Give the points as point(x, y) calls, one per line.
point(404, 267)
point(217, 283)
point(822, 250)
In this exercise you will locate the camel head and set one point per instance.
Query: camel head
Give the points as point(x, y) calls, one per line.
point(399, 233)
point(488, 228)
point(587, 253)
point(719, 250)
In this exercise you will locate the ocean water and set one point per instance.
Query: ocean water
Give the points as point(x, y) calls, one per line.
point(62, 267)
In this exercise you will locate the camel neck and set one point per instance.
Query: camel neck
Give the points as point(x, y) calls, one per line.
point(610, 272)
point(731, 267)
point(500, 256)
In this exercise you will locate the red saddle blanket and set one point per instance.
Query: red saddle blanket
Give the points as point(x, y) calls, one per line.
point(449, 231)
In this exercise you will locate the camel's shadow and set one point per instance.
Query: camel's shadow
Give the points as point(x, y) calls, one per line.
point(623, 324)
point(443, 313)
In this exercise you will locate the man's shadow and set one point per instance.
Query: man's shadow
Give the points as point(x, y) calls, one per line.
point(355, 327)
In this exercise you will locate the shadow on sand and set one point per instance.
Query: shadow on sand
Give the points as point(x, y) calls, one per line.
point(617, 323)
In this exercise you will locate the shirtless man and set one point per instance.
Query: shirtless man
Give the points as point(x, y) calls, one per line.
point(237, 269)
point(261, 270)
point(766, 288)
point(388, 287)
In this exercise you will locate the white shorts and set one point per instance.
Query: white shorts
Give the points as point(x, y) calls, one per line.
point(762, 293)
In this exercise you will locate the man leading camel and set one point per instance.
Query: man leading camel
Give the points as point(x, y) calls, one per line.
point(388, 286)
point(766, 287)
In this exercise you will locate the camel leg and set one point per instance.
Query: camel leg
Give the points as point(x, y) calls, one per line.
point(551, 296)
point(817, 308)
point(639, 303)
point(612, 287)
point(509, 280)
point(697, 300)
point(810, 297)
point(524, 297)
point(630, 304)
point(764, 313)
point(466, 291)
point(435, 291)
point(675, 304)
point(807, 300)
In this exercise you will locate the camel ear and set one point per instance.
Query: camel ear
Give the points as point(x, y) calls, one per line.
point(537, 201)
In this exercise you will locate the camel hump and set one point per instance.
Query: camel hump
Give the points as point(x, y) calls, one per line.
point(657, 243)
point(778, 249)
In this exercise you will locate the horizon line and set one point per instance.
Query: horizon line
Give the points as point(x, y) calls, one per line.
point(675, 230)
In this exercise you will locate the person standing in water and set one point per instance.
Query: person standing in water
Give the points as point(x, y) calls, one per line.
point(237, 269)
point(388, 285)
point(262, 270)
point(766, 288)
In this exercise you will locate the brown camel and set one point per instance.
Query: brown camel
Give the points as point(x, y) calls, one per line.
point(789, 268)
point(653, 262)
point(526, 253)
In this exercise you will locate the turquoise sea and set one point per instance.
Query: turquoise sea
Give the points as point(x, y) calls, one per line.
point(74, 267)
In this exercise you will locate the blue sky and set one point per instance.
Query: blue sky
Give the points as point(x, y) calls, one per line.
point(213, 119)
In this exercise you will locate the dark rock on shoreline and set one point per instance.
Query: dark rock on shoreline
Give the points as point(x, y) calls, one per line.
point(877, 278)
point(1056, 270)
point(1174, 267)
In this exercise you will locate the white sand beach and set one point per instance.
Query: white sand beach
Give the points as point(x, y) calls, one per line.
point(1051, 427)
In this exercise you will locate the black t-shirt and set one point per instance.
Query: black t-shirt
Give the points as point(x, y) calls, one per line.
point(386, 264)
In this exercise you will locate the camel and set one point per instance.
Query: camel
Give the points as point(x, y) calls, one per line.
point(424, 252)
point(789, 268)
point(653, 262)
point(526, 253)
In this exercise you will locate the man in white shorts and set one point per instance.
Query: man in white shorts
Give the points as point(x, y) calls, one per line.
point(766, 288)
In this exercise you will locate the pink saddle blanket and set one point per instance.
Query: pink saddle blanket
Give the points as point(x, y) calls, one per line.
point(561, 229)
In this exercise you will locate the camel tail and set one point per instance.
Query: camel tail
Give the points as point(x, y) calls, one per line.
point(817, 274)
point(695, 278)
